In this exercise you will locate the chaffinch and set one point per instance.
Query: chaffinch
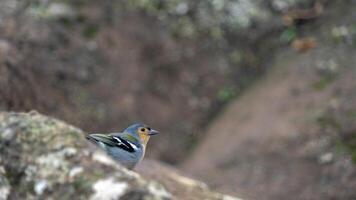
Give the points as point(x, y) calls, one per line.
point(127, 148)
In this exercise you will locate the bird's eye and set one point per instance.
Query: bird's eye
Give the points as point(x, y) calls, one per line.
point(142, 129)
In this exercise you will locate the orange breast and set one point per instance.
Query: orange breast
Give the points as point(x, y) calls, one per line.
point(144, 138)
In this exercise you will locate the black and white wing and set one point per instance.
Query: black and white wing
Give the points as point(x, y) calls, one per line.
point(124, 144)
point(116, 141)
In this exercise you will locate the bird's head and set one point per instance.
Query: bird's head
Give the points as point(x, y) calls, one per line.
point(141, 131)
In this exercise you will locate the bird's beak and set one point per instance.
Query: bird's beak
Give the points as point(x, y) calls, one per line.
point(153, 132)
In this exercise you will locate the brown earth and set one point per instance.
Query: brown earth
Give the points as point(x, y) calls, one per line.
point(102, 71)
point(271, 144)
point(288, 137)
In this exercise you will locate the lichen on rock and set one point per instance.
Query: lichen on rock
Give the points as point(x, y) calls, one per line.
point(45, 158)
point(4, 184)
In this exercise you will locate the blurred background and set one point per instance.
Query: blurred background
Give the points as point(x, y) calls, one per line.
point(255, 97)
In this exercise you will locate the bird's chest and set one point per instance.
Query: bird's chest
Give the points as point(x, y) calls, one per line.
point(122, 155)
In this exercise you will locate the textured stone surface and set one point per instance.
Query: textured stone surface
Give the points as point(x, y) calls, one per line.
point(44, 158)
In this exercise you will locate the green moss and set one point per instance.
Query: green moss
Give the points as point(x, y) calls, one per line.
point(353, 156)
point(184, 28)
point(66, 22)
point(82, 185)
point(90, 31)
point(323, 82)
point(226, 94)
point(289, 34)
point(216, 32)
point(236, 57)
point(325, 120)
point(340, 147)
point(347, 146)
point(351, 114)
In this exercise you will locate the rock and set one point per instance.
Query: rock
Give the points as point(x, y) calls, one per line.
point(4, 185)
point(48, 159)
point(52, 11)
point(283, 5)
point(180, 186)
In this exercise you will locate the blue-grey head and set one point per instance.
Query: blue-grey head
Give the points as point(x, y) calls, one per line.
point(141, 132)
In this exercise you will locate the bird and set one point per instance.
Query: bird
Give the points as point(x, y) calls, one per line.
point(127, 147)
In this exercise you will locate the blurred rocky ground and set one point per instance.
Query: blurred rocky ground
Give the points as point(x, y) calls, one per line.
point(170, 64)
point(176, 64)
point(44, 158)
point(292, 134)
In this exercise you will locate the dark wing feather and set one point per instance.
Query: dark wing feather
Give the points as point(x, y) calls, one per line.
point(123, 144)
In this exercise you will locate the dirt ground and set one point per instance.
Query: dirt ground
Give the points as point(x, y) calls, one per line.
point(270, 143)
point(102, 71)
point(289, 135)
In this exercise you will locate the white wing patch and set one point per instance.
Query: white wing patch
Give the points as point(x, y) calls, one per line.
point(133, 146)
point(124, 143)
point(118, 140)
